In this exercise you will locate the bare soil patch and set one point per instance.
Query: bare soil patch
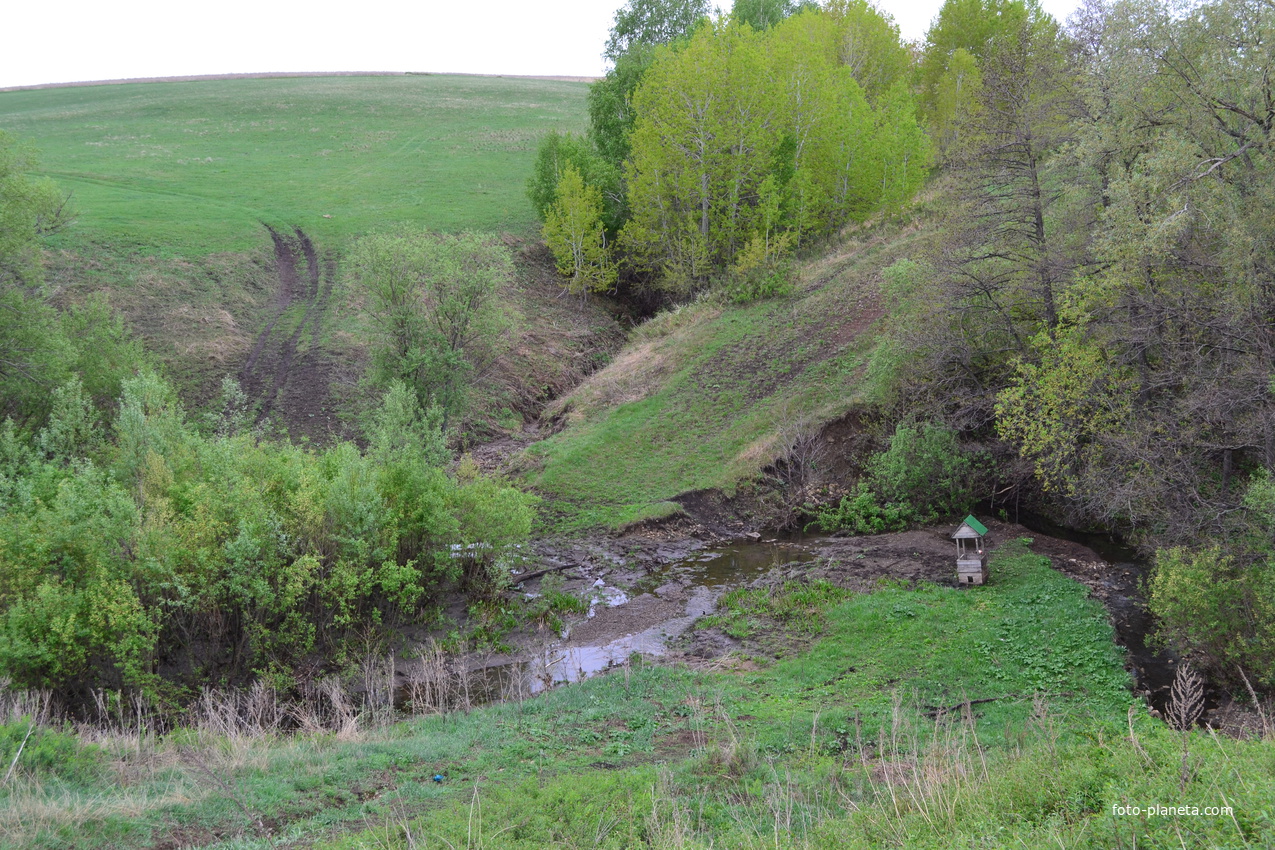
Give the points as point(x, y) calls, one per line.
point(278, 376)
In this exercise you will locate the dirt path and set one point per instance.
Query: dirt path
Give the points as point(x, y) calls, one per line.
point(276, 377)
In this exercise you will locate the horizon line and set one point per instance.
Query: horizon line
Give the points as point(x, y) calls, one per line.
point(265, 75)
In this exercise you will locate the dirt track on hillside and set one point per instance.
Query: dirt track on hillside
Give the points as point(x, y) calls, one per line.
point(278, 378)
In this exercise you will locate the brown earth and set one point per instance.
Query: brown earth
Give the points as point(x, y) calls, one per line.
point(275, 376)
point(298, 378)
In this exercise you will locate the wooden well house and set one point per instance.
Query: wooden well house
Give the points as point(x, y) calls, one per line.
point(971, 552)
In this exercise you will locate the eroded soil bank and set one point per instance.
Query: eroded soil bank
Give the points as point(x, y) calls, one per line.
point(647, 590)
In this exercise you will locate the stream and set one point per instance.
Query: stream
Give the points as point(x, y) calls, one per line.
point(641, 602)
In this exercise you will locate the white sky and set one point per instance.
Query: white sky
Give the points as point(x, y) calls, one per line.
point(81, 40)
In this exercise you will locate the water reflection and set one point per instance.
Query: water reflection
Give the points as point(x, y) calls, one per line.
point(697, 581)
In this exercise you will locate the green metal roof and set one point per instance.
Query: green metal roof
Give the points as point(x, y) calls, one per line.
point(975, 524)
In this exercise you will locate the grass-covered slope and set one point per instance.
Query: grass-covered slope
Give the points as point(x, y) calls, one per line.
point(174, 184)
point(191, 168)
point(708, 395)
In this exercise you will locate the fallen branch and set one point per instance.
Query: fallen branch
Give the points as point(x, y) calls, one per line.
point(519, 579)
point(18, 754)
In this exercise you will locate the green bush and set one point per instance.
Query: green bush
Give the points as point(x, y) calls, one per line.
point(1216, 610)
point(222, 549)
point(925, 467)
point(924, 474)
point(771, 281)
point(49, 752)
point(862, 513)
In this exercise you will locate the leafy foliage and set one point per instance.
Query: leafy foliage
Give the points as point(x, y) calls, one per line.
point(862, 512)
point(433, 304)
point(924, 474)
point(560, 152)
point(574, 233)
point(761, 14)
point(652, 22)
point(743, 136)
point(48, 752)
point(265, 551)
point(30, 208)
point(1218, 611)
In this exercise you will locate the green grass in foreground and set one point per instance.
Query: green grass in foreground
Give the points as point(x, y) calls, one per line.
point(831, 748)
point(191, 168)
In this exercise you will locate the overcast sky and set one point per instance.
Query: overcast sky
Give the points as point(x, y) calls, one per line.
point(81, 40)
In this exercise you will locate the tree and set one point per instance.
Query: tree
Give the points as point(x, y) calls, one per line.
point(651, 23)
point(1009, 248)
point(962, 39)
point(573, 230)
point(733, 108)
point(557, 152)
point(761, 14)
point(611, 114)
point(867, 42)
point(640, 27)
point(434, 307)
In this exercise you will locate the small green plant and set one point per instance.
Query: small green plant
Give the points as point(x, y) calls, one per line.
point(862, 513)
point(41, 751)
point(769, 281)
point(797, 606)
point(547, 609)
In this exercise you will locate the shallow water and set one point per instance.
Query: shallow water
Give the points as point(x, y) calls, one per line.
point(700, 579)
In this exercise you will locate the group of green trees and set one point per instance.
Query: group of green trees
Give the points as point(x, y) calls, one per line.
point(142, 548)
point(1101, 308)
point(718, 147)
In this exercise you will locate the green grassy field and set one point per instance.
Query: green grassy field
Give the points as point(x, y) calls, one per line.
point(191, 168)
point(834, 746)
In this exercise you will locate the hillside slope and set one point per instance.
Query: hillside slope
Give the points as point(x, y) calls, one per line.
point(194, 168)
point(709, 395)
point(214, 216)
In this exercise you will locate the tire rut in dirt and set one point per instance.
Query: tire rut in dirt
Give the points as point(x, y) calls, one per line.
point(285, 261)
point(274, 376)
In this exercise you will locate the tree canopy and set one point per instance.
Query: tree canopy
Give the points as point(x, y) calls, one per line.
point(735, 119)
point(434, 309)
point(651, 23)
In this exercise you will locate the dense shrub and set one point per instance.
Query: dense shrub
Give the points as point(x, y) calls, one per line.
point(1218, 610)
point(224, 556)
point(924, 474)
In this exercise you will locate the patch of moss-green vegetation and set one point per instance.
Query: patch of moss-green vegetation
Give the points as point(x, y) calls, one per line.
point(1030, 634)
point(796, 607)
point(192, 168)
point(708, 395)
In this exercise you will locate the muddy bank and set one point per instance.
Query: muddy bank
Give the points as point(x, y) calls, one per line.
point(646, 591)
